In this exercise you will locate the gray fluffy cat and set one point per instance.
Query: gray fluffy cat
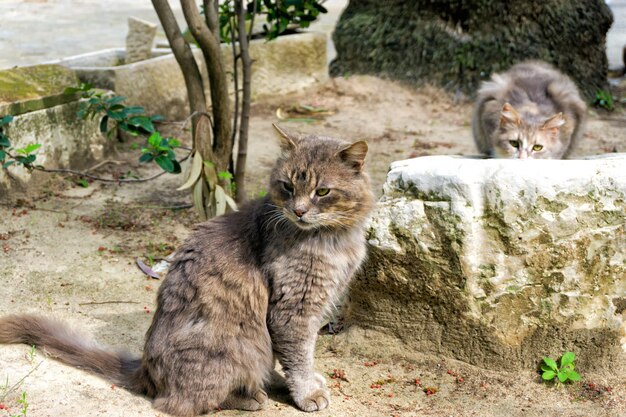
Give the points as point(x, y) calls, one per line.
point(530, 111)
point(244, 288)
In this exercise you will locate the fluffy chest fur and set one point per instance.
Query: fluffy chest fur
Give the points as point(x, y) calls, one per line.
point(309, 274)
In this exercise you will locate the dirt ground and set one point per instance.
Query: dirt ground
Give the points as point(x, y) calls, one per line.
point(69, 252)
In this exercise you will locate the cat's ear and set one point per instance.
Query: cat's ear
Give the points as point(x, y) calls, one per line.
point(509, 116)
point(554, 122)
point(354, 154)
point(287, 141)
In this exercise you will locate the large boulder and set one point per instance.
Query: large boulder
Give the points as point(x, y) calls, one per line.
point(456, 44)
point(498, 262)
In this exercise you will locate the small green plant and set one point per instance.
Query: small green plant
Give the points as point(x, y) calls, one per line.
point(161, 151)
point(604, 99)
point(561, 374)
point(24, 406)
point(131, 119)
point(31, 353)
point(9, 155)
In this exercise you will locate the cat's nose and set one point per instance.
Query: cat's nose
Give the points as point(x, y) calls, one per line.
point(299, 212)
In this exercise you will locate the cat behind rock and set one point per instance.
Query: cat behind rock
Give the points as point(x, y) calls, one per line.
point(244, 288)
point(530, 111)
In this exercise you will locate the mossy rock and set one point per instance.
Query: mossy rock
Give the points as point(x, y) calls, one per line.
point(459, 43)
point(25, 89)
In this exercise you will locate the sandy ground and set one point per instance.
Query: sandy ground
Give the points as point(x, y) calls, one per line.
point(69, 252)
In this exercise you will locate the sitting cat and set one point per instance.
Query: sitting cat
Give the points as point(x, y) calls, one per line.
point(530, 111)
point(244, 288)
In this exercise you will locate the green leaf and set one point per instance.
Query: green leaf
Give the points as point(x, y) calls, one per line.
point(545, 367)
point(4, 141)
point(135, 110)
point(574, 376)
point(319, 7)
point(3, 155)
point(177, 167)
point(551, 363)
point(548, 375)
point(567, 359)
point(155, 139)
point(104, 124)
point(82, 182)
point(28, 148)
point(143, 122)
point(6, 120)
point(112, 101)
point(174, 143)
point(563, 375)
point(146, 157)
point(165, 163)
point(116, 115)
point(8, 164)
point(225, 175)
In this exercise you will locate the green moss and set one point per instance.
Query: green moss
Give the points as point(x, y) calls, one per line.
point(25, 89)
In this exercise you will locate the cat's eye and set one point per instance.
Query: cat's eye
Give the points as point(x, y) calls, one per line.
point(287, 187)
point(537, 148)
point(322, 191)
point(514, 143)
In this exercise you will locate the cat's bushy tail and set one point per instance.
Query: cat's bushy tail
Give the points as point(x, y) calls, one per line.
point(72, 348)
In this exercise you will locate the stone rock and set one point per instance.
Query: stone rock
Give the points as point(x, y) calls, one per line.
point(67, 142)
point(139, 40)
point(457, 44)
point(284, 65)
point(499, 262)
point(24, 89)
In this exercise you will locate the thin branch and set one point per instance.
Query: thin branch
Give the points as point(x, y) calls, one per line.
point(91, 303)
point(246, 64)
point(18, 383)
point(102, 163)
point(95, 177)
point(102, 179)
point(236, 56)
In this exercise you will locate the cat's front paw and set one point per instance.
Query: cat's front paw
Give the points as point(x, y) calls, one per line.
point(315, 401)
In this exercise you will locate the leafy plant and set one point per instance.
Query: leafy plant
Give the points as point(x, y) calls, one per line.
point(22, 156)
point(24, 406)
point(604, 99)
point(161, 151)
point(131, 119)
point(563, 373)
point(280, 15)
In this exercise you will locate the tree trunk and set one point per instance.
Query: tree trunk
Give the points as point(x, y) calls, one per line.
point(212, 52)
